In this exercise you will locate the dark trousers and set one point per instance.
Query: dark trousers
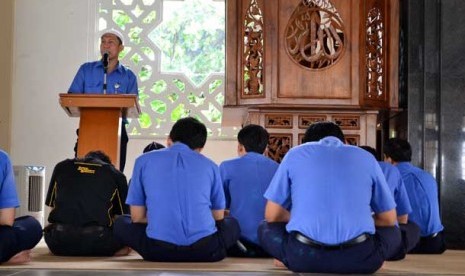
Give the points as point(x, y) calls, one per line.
point(208, 249)
point(25, 233)
point(123, 146)
point(247, 249)
point(365, 257)
point(410, 237)
point(71, 240)
point(430, 245)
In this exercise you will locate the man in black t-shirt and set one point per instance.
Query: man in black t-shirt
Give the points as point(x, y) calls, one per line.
point(85, 195)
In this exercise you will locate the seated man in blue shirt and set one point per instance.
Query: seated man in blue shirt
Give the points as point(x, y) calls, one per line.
point(108, 76)
point(332, 189)
point(422, 191)
point(177, 202)
point(410, 230)
point(245, 180)
point(17, 236)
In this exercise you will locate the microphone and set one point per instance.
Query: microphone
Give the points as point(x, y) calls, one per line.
point(105, 61)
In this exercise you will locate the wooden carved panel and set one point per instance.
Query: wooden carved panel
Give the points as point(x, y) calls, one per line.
point(375, 54)
point(353, 140)
point(301, 138)
point(279, 144)
point(347, 122)
point(312, 53)
point(307, 120)
point(291, 63)
point(315, 36)
point(253, 52)
point(278, 121)
point(379, 53)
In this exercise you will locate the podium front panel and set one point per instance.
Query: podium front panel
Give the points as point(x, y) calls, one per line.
point(98, 130)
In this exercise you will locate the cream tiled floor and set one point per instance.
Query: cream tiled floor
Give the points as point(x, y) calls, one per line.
point(452, 262)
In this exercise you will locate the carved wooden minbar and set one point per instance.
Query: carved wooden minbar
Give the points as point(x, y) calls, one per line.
point(295, 62)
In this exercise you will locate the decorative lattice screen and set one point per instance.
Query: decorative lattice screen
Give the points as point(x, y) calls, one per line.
point(177, 50)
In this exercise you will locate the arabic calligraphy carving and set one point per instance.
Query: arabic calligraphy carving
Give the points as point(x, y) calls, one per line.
point(315, 36)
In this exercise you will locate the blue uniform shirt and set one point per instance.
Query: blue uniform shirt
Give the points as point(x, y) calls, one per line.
point(180, 188)
point(422, 191)
point(245, 180)
point(8, 196)
point(397, 187)
point(333, 189)
point(89, 80)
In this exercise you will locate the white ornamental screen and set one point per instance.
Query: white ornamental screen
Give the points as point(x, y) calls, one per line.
point(177, 50)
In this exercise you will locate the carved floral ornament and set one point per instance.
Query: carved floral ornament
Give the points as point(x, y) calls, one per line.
point(278, 145)
point(253, 50)
point(314, 35)
point(374, 55)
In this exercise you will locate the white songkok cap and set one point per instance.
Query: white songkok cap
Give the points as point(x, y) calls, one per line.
point(115, 33)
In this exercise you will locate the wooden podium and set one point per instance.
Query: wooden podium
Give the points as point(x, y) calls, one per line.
point(99, 120)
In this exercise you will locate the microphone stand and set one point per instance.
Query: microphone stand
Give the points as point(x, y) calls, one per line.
point(105, 81)
point(105, 69)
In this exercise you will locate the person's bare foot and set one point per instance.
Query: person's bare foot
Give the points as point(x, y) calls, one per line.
point(278, 263)
point(382, 266)
point(20, 258)
point(123, 251)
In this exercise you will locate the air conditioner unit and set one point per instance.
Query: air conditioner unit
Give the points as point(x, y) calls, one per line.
point(30, 186)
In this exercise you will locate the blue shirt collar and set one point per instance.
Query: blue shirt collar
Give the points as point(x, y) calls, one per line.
point(331, 141)
point(252, 154)
point(180, 146)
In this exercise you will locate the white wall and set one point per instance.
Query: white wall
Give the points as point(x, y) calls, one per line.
point(6, 49)
point(51, 39)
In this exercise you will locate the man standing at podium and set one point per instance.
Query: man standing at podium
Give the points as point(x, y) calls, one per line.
point(108, 76)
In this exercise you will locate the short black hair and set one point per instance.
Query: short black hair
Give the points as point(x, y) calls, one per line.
point(371, 150)
point(399, 150)
point(98, 155)
point(320, 130)
point(153, 146)
point(254, 138)
point(189, 131)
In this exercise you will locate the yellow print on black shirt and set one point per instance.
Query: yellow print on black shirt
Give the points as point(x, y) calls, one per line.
point(85, 170)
